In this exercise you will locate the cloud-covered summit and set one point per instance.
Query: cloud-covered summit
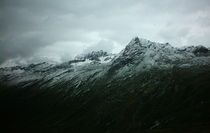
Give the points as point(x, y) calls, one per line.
point(62, 29)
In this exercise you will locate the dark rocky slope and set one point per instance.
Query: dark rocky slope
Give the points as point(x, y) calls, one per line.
point(127, 95)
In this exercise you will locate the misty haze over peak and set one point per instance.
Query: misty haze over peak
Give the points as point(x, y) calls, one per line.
point(60, 30)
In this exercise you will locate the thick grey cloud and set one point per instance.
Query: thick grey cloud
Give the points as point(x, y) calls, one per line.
point(62, 29)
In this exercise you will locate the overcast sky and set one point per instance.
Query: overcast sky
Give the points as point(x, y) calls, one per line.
point(61, 29)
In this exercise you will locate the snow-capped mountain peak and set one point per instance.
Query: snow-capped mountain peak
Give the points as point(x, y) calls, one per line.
point(139, 46)
point(141, 54)
point(138, 55)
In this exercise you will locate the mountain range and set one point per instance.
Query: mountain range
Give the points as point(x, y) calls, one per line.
point(147, 87)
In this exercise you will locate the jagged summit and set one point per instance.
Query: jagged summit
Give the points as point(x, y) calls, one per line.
point(138, 40)
point(140, 48)
point(142, 54)
point(94, 55)
point(143, 42)
point(138, 45)
point(135, 40)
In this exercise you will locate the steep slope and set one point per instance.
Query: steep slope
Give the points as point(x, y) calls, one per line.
point(147, 87)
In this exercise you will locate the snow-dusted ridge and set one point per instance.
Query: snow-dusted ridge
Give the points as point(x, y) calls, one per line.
point(93, 57)
point(142, 54)
point(139, 55)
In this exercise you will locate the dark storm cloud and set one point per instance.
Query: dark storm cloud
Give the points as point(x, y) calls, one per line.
point(62, 29)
